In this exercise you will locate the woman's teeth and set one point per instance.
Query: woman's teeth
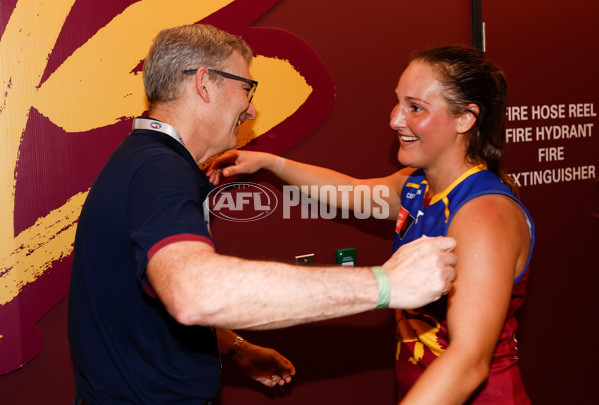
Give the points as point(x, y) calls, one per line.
point(407, 138)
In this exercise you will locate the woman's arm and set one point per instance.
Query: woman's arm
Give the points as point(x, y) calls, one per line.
point(493, 246)
point(384, 191)
point(262, 364)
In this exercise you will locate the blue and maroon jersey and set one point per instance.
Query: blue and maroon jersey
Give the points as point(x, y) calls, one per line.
point(422, 333)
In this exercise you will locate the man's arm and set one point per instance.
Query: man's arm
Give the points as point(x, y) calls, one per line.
point(200, 287)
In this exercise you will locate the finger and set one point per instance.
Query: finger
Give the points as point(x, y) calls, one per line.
point(228, 157)
point(217, 175)
point(450, 273)
point(448, 260)
point(447, 289)
point(230, 171)
point(445, 243)
point(288, 373)
point(291, 369)
point(213, 177)
point(267, 381)
point(276, 379)
point(286, 367)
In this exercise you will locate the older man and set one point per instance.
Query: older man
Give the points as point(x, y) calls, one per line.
point(151, 300)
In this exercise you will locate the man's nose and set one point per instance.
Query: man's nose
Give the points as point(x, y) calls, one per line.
point(251, 112)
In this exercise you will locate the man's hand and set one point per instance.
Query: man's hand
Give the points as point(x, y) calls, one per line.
point(421, 271)
point(264, 365)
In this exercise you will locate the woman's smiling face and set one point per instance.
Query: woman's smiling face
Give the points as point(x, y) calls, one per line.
point(428, 135)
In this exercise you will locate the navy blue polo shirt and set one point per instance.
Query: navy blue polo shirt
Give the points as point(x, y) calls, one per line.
point(126, 347)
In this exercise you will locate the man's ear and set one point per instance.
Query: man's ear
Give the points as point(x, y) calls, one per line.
point(202, 83)
point(468, 118)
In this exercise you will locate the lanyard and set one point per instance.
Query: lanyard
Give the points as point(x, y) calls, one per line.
point(155, 125)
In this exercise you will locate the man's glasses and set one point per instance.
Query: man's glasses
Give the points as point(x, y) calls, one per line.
point(253, 84)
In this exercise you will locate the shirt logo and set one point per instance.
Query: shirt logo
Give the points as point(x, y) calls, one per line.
point(404, 222)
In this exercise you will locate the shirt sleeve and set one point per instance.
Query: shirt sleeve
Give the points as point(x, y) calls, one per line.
point(165, 206)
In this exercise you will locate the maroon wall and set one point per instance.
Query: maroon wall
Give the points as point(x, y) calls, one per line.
point(549, 53)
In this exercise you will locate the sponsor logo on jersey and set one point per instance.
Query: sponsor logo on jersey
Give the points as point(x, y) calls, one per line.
point(404, 222)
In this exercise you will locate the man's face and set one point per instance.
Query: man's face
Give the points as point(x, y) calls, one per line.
point(232, 106)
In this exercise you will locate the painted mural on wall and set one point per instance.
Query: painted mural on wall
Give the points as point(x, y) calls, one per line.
point(70, 82)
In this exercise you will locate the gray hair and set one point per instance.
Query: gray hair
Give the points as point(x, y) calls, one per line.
point(186, 47)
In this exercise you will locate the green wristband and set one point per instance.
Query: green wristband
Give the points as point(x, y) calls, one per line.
point(384, 287)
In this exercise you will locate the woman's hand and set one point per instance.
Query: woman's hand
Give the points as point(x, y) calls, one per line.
point(264, 365)
point(237, 162)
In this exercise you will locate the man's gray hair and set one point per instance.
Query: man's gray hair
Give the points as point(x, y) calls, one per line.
point(186, 47)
